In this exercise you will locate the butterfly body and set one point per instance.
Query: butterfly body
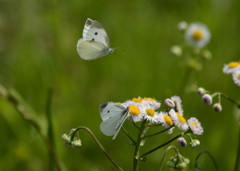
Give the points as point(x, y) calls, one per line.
point(95, 42)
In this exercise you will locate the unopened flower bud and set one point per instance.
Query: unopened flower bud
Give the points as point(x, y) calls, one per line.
point(176, 50)
point(207, 99)
point(182, 25)
point(217, 107)
point(182, 142)
point(201, 91)
point(194, 143)
point(66, 138)
point(178, 162)
point(169, 103)
point(71, 142)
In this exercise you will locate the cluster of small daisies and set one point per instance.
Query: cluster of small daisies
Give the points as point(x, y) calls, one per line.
point(146, 109)
point(234, 69)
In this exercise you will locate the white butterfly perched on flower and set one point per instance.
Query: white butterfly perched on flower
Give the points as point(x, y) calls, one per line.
point(95, 42)
point(113, 116)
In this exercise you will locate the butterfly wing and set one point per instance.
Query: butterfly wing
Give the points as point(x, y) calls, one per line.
point(113, 116)
point(94, 31)
point(112, 125)
point(90, 50)
point(110, 109)
point(120, 123)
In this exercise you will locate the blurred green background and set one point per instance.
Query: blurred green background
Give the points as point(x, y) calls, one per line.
point(38, 51)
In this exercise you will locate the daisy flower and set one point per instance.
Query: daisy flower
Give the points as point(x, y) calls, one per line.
point(197, 35)
point(149, 113)
point(178, 103)
point(231, 67)
point(178, 120)
point(195, 126)
point(129, 103)
point(135, 113)
point(136, 109)
point(152, 102)
point(137, 99)
point(236, 77)
point(164, 119)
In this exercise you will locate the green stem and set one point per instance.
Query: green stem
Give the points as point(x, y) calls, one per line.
point(135, 125)
point(136, 158)
point(237, 165)
point(210, 155)
point(185, 80)
point(50, 127)
point(231, 100)
point(129, 136)
point(165, 153)
point(98, 143)
point(237, 162)
point(152, 125)
point(162, 145)
point(162, 131)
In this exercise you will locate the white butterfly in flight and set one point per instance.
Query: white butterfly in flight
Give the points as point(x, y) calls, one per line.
point(95, 42)
point(113, 116)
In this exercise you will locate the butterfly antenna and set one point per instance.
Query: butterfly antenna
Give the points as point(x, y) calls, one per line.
point(116, 48)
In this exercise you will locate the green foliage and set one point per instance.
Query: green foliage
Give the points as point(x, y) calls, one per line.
point(38, 51)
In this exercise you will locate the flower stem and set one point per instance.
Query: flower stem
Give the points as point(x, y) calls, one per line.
point(98, 143)
point(237, 162)
point(162, 131)
point(212, 158)
point(153, 125)
point(50, 131)
point(164, 155)
point(237, 165)
point(162, 145)
point(141, 133)
point(129, 136)
point(231, 100)
point(135, 125)
point(185, 80)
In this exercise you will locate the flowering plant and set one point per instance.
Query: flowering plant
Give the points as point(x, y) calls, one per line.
point(144, 114)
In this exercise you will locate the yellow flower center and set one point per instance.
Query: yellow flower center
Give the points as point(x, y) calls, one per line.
point(150, 112)
point(137, 100)
point(181, 118)
point(149, 99)
point(134, 110)
point(197, 34)
point(238, 76)
point(168, 120)
point(233, 64)
point(194, 124)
